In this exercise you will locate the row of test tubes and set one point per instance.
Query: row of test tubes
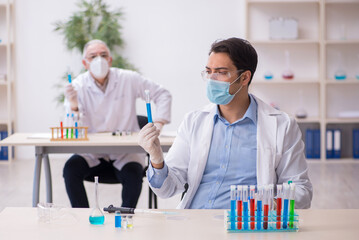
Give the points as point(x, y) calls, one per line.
point(253, 208)
point(70, 125)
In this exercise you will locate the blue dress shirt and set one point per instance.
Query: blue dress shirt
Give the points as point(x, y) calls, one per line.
point(231, 161)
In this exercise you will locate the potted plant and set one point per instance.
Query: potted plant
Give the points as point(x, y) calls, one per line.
point(94, 20)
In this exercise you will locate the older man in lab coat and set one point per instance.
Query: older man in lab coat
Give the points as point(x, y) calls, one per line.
point(105, 98)
point(237, 140)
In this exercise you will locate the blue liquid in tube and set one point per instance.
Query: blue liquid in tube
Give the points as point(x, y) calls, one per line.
point(245, 215)
point(233, 214)
point(285, 213)
point(149, 114)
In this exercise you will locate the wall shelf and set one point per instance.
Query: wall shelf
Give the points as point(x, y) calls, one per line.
point(322, 24)
point(7, 67)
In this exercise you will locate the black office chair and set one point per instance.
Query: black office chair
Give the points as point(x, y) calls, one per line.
point(111, 179)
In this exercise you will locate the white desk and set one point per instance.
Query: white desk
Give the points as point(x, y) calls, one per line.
point(98, 143)
point(22, 223)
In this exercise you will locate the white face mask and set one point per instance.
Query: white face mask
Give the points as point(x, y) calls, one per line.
point(99, 67)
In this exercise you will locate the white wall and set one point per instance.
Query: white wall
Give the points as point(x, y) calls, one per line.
point(168, 41)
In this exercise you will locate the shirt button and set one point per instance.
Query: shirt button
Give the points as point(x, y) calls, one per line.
point(217, 182)
point(210, 201)
point(223, 166)
point(226, 146)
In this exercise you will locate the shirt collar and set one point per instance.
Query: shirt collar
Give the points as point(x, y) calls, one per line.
point(251, 113)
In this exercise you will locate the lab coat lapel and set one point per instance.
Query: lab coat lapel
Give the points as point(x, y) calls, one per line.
point(112, 83)
point(202, 151)
point(266, 143)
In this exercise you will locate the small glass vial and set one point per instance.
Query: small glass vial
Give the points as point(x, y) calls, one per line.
point(287, 73)
point(96, 216)
point(118, 219)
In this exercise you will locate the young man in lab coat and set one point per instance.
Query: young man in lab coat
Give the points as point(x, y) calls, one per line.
point(237, 140)
point(106, 97)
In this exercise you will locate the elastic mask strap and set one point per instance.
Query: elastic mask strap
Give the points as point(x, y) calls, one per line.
point(236, 81)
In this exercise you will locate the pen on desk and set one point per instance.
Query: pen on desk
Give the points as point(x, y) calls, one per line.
point(148, 106)
point(291, 204)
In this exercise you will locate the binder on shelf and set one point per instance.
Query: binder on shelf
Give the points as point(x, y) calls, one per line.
point(4, 155)
point(329, 143)
point(316, 143)
point(312, 143)
point(309, 143)
point(337, 143)
point(355, 143)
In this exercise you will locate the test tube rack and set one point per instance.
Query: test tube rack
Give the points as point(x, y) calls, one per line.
point(271, 223)
point(59, 134)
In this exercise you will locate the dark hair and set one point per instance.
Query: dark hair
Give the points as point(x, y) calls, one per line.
point(240, 51)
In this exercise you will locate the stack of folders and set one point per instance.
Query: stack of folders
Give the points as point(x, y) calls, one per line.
point(312, 143)
point(4, 152)
point(334, 143)
point(355, 143)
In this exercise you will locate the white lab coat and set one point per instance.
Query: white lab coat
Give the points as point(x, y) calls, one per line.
point(280, 155)
point(116, 108)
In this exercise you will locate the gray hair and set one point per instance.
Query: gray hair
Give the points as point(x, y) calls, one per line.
point(94, 41)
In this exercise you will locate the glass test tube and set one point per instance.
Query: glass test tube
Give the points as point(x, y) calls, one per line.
point(259, 198)
point(279, 205)
point(292, 204)
point(266, 196)
point(252, 190)
point(239, 206)
point(233, 207)
point(148, 106)
point(245, 207)
point(285, 204)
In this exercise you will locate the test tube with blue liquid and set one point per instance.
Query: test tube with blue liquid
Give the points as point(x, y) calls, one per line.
point(259, 197)
point(148, 106)
point(285, 204)
point(245, 207)
point(233, 207)
point(72, 124)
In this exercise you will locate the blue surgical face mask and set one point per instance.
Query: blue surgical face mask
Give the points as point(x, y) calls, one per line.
point(218, 91)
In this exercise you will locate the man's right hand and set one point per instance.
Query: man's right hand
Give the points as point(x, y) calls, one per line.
point(148, 140)
point(71, 96)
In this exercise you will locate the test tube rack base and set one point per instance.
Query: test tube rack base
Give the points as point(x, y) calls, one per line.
point(270, 223)
point(69, 134)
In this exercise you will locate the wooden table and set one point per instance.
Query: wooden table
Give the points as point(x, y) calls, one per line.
point(22, 223)
point(97, 143)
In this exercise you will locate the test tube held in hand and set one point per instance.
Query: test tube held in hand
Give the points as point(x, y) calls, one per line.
point(148, 106)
